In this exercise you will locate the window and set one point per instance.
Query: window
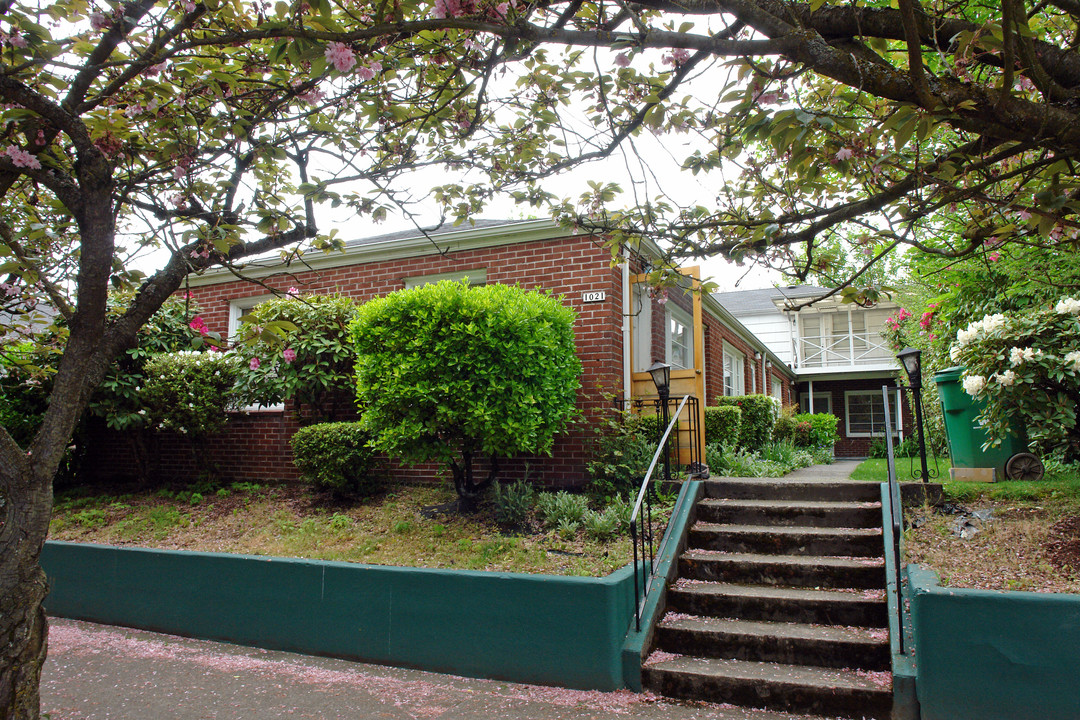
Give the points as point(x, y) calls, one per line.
point(680, 338)
point(822, 402)
point(475, 277)
point(777, 389)
point(734, 374)
point(865, 411)
point(237, 309)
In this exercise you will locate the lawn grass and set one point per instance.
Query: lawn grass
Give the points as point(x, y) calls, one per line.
point(289, 521)
point(1063, 483)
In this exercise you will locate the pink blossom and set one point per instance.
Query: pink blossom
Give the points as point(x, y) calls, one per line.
point(340, 56)
point(844, 153)
point(366, 72)
point(502, 10)
point(312, 96)
point(293, 292)
point(9, 289)
point(199, 325)
point(927, 319)
point(189, 6)
point(254, 363)
point(14, 39)
point(622, 60)
point(677, 57)
point(994, 256)
point(21, 158)
point(453, 8)
point(289, 354)
point(1023, 215)
point(179, 172)
point(155, 70)
point(204, 253)
point(98, 21)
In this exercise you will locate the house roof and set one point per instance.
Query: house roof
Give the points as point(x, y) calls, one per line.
point(763, 302)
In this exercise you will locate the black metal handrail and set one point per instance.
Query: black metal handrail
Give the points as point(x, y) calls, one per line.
point(689, 427)
point(896, 518)
point(643, 580)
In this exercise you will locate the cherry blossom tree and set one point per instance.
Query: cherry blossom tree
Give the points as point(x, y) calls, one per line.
point(217, 130)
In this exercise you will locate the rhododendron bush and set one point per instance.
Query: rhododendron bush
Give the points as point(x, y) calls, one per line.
point(297, 348)
point(1025, 368)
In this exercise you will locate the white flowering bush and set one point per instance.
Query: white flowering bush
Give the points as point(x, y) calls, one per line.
point(1025, 367)
point(189, 392)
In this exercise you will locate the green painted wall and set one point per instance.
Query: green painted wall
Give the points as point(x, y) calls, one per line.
point(544, 629)
point(983, 655)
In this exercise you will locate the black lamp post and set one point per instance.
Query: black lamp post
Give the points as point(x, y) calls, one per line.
point(661, 377)
point(911, 359)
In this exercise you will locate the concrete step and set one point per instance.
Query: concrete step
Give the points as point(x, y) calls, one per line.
point(864, 608)
point(790, 570)
point(781, 489)
point(779, 642)
point(787, 540)
point(823, 691)
point(790, 513)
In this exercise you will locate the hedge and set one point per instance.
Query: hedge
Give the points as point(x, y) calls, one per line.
point(759, 414)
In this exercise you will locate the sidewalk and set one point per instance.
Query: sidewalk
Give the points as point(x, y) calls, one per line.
point(96, 672)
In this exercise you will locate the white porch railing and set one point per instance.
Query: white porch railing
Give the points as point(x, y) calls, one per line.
point(846, 350)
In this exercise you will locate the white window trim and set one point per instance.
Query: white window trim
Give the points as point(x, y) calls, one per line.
point(776, 388)
point(847, 414)
point(641, 326)
point(738, 375)
point(676, 313)
point(477, 276)
point(237, 309)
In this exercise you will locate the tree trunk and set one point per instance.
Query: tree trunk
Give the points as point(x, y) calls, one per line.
point(25, 509)
point(23, 639)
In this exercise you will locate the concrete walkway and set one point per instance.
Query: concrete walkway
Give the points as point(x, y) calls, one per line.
point(839, 470)
point(96, 672)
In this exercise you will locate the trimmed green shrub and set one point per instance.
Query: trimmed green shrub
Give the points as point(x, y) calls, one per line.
point(513, 501)
point(816, 431)
point(446, 372)
point(188, 392)
point(335, 456)
point(759, 414)
point(722, 424)
point(298, 348)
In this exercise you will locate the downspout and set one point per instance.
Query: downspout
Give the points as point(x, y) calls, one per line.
point(627, 330)
point(811, 381)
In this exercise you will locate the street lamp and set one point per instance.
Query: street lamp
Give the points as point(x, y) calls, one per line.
point(911, 359)
point(661, 377)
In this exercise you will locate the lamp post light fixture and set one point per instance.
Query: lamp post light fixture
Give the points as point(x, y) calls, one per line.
point(911, 359)
point(661, 377)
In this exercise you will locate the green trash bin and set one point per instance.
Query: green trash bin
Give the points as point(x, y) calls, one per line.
point(966, 437)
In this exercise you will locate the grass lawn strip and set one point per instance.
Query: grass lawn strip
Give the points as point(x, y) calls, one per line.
point(288, 521)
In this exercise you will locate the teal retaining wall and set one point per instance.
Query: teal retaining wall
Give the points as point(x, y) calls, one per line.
point(639, 639)
point(566, 631)
point(905, 702)
point(982, 655)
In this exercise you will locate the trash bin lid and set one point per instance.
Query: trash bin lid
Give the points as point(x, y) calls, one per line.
point(949, 374)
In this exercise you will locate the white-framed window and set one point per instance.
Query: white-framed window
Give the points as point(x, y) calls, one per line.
point(734, 372)
point(238, 309)
point(680, 338)
point(865, 413)
point(477, 276)
point(777, 390)
point(822, 402)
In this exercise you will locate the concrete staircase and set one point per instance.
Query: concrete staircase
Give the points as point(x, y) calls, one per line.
point(780, 601)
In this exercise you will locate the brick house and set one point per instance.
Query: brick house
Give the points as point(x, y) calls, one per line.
point(838, 354)
point(622, 327)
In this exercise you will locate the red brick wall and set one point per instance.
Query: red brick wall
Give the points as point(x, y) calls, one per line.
point(255, 447)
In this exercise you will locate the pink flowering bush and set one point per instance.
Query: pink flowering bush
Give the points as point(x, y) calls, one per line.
point(295, 348)
point(1025, 368)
